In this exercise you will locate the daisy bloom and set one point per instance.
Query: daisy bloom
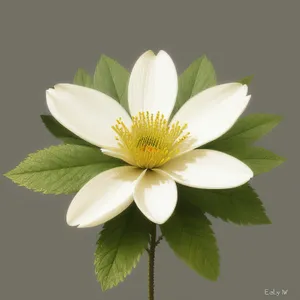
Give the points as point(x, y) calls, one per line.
point(159, 152)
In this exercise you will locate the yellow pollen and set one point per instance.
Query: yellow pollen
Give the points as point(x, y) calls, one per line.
point(151, 141)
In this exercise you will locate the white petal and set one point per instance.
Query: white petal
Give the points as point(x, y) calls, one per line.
point(155, 195)
point(208, 169)
point(212, 112)
point(118, 153)
point(103, 197)
point(86, 112)
point(153, 84)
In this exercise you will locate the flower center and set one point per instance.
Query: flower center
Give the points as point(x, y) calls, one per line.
point(151, 141)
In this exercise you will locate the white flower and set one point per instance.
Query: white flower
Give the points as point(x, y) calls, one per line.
point(159, 152)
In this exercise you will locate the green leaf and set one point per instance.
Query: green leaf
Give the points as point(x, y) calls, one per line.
point(246, 80)
point(189, 235)
point(240, 205)
point(62, 133)
point(83, 78)
point(62, 169)
point(258, 159)
point(120, 246)
point(111, 79)
point(245, 131)
point(199, 76)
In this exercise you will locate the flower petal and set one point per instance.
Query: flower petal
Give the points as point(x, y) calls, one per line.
point(103, 197)
point(155, 195)
point(153, 84)
point(86, 112)
point(212, 112)
point(208, 169)
point(118, 153)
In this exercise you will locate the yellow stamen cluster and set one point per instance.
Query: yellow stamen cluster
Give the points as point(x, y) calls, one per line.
point(150, 141)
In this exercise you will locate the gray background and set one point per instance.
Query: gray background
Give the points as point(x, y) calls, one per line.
point(44, 42)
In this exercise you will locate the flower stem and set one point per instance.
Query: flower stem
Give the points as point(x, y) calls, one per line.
point(159, 240)
point(151, 253)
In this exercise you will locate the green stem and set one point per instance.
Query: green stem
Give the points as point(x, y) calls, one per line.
point(151, 253)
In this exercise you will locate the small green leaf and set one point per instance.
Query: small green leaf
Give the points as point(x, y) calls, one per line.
point(111, 79)
point(61, 132)
point(246, 80)
point(120, 246)
point(258, 159)
point(83, 78)
point(246, 130)
point(189, 235)
point(199, 76)
point(61, 169)
point(240, 205)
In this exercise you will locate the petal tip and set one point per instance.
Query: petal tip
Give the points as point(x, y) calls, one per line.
point(149, 53)
point(70, 222)
point(251, 174)
point(248, 175)
point(71, 218)
point(50, 91)
point(53, 90)
point(163, 52)
point(160, 222)
point(244, 88)
point(56, 86)
point(82, 226)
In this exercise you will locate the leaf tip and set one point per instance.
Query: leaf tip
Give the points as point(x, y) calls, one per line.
point(277, 118)
point(214, 278)
point(9, 174)
point(214, 275)
point(104, 57)
point(104, 287)
point(282, 159)
point(267, 221)
point(6, 174)
point(246, 80)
